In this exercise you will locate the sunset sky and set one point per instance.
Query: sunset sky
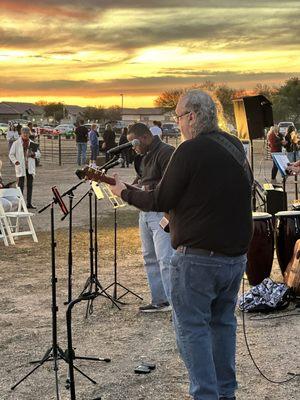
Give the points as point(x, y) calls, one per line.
point(88, 52)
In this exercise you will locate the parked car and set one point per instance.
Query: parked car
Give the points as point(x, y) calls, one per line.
point(282, 126)
point(66, 129)
point(3, 129)
point(170, 129)
point(49, 131)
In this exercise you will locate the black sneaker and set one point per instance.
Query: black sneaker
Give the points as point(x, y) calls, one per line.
point(31, 206)
point(151, 308)
point(227, 398)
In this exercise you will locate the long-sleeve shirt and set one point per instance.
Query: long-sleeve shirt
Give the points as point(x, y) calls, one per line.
point(207, 194)
point(274, 142)
point(154, 163)
point(93, 138)
point(81, 133)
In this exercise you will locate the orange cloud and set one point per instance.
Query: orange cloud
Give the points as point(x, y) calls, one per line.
point(23, 6)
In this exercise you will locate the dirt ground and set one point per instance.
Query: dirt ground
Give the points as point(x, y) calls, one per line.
point(125, 336)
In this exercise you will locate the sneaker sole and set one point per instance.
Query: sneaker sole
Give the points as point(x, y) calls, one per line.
point(165, 309)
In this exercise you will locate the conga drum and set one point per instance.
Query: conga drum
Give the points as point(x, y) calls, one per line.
point(287, 233)
point(261, 249)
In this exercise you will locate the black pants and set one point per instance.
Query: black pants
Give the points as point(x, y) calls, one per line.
point(29, 181)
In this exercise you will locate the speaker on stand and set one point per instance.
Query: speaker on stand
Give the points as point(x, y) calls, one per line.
point(252, 115)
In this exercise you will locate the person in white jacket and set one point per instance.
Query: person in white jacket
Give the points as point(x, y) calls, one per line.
point(23, 156)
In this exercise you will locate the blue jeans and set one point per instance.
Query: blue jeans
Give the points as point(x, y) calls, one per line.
point(81, 153)
point(203, 294)
point(94, 152)
point(157, 253)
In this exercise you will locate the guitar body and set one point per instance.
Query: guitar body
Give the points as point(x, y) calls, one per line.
point(292, 273)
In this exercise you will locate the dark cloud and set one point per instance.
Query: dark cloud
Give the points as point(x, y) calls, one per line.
point(153, 4)
point(196, 30)
point(135, 86)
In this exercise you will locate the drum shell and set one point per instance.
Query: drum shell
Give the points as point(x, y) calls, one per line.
point(287, 233)
point(261, 251)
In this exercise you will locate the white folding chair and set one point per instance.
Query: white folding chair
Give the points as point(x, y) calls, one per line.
point(13, 217)
point(3, 222)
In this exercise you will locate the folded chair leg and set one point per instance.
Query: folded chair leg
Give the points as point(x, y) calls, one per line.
point(3, 234)
point(35, 239)
point(9, 232)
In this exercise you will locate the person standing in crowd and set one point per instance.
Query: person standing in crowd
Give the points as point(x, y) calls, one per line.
point(11, 135)
point(155, 129)
point(23, 157)
point(81, 134)
point(211, 234)
point(109, 140)
point(94, 142)
point(275, 142)
point(19, 127)
point(291, 144)
point(156, 244)
point(126, 152)
point(33, 133)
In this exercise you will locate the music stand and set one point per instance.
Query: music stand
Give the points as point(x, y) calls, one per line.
point(281, 161)
point(115, 284)
point(92, 284)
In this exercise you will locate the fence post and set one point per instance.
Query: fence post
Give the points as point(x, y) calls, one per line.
point(59, 149)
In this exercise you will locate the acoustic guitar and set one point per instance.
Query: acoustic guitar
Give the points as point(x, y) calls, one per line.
point(96, 175)
point(292, 272)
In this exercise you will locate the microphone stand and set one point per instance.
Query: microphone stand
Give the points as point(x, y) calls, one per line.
point(55, 352)
point(70, 194)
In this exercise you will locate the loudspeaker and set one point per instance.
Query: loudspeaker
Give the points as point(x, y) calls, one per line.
point(252, 115)
point(275, 200)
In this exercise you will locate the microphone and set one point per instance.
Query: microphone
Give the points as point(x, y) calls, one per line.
point(118, 149)
point(113, 164)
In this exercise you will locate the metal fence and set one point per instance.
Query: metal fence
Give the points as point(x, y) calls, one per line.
point(59, 150)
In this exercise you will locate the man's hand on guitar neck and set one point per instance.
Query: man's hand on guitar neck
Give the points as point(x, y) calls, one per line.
point(118, 187)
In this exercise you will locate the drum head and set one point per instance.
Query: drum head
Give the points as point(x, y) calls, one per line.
point(260, 215)
point(287, 213)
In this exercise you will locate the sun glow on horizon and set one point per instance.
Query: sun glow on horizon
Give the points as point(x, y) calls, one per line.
point(88, 55)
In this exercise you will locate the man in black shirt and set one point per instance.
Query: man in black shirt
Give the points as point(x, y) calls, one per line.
point(82, 134)
point(208, 193)
point(156, 244)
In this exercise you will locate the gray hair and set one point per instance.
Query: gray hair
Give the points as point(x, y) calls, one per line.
point(205, 109)
point(25, 130)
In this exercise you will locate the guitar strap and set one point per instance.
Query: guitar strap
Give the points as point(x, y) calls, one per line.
point(238, 155)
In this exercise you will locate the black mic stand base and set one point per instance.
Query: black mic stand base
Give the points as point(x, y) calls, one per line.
point(127, 291)
point(55, 356)
point(97, 291)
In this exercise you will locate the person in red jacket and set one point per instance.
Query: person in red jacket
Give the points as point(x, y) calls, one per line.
point(275, 141)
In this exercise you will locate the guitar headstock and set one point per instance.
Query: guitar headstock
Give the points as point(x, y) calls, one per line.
point(94, 174)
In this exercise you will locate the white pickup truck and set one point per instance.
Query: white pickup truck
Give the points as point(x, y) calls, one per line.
point(282, 126)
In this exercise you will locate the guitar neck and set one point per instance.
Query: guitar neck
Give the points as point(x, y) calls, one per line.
point(94, 175)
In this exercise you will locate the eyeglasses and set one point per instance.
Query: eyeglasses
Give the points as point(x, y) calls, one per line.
point(177, 117)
